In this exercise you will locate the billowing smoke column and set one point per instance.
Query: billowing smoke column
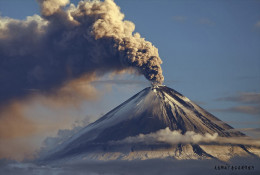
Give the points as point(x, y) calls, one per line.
point(67, 42)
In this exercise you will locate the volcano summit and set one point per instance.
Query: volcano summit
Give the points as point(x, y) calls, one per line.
point(140, 128)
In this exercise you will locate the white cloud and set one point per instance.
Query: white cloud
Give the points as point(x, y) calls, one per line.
point(257, 24)
point(171, 137)
point(175, 137)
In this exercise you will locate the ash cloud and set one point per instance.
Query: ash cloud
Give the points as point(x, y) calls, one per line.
point(52, 58)
point(22, 132)
point(68, 42)
point(25, 124)
point(14, 127)
point(13, 124)
point(49, 7)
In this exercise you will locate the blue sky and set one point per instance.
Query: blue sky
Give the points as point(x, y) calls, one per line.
point(211, 48)
point(210, 51)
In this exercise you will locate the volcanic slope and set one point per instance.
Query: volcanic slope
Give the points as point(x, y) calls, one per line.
point(150, 110)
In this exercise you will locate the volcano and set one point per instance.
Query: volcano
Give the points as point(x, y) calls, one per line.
point(149, 111)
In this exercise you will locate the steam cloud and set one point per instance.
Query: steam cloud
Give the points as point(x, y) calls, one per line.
point(175, 137)
point(67, 42)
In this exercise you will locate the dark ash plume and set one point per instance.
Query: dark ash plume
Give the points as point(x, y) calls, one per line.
point(69, 42)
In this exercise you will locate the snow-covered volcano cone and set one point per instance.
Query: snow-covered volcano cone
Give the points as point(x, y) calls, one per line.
point(153, 109)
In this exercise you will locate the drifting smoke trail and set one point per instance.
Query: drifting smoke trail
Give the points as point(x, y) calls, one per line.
point(66, 43)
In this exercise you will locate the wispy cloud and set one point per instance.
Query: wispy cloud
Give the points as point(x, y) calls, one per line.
point(257, 24)
point(253, 132)
point(207, 21)
point(257, 130)
point(253, 110)
point(242, 122)
point(199, 102)
point(251, 103)
point(203, 21)
point(122, 82)
point(251, 98)
point(179, 18)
